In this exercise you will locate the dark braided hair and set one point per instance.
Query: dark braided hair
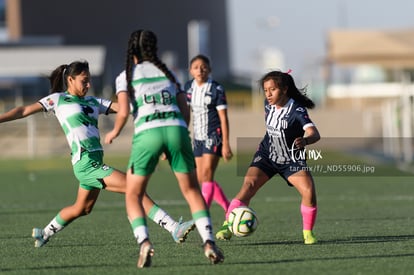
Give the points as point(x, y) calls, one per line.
point(285, 80)
point(58, 78)
point(143, 45)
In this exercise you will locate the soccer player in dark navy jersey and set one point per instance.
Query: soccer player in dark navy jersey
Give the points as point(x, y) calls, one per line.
point(284, 125)
point(288, 130)
point(207, 100)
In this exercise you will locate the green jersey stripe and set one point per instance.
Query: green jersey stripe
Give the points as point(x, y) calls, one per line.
point(81, 120)
point(149, 80)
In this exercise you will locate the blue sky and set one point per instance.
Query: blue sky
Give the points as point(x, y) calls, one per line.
point(297, 29)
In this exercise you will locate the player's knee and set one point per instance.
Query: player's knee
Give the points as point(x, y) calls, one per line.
point(206, 177)
point(308, 194)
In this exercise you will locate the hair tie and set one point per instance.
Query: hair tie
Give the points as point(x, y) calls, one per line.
point(288, 71)
point(141, 37)
point(63, 75)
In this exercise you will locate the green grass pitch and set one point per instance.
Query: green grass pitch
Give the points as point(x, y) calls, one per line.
point(365, 225)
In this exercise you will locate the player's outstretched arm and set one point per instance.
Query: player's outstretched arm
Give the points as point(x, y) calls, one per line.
point(21, 112)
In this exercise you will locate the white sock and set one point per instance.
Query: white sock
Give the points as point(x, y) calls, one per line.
point(160, 217)
point(141, 233)
point(203, 223)
point(55, 225)
point(139, 227)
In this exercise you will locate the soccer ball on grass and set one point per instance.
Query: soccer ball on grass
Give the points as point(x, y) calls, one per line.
point(242, 221)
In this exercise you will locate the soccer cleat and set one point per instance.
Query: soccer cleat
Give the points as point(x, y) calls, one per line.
point(213, 253)
point(224, 233)
point(37, 233)
point(182, 230)
point(309, 237)
point(146, 251)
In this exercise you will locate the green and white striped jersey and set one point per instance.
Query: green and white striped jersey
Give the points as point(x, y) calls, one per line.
point(78, 117)
point(155, 102)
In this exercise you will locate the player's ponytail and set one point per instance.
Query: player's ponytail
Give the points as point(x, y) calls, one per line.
point(57, 79)
point(133, 50)
point(299, 95)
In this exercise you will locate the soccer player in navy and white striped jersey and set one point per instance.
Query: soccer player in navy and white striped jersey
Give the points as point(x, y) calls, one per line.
point(207, 100)
point(288, 130)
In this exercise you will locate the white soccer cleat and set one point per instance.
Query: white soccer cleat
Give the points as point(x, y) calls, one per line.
point(146, 252)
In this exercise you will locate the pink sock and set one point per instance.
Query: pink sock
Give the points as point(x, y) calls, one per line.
point(308, 216)
point(220, 197)
point(207, 190)
point(234, 204)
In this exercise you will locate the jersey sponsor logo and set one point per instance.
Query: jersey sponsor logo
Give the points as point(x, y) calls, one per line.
point(277, 132)
point(50, 101)
point(161, 115)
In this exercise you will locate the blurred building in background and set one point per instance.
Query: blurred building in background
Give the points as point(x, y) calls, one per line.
point(372, 72)
point(37, 36)
point(108, 24)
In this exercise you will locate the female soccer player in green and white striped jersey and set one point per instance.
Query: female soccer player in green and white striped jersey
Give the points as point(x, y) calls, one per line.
point(161, 117)
point(78, 115)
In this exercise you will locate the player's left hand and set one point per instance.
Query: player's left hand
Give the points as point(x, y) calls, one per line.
point(110, 137)
point(300, 142)
point(226, 153)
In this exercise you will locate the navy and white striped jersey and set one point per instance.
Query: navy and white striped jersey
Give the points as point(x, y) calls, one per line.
point(283, 126)
point(205, 101)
